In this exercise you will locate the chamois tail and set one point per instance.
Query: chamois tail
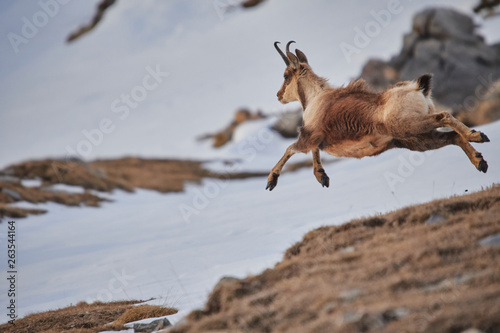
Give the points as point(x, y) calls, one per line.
point(424, 84)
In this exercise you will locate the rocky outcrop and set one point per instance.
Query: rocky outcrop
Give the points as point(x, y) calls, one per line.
point(443, 42)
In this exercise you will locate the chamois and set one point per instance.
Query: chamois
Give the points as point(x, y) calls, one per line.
point(354, 121)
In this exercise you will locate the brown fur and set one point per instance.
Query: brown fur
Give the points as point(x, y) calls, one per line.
point(354, 121)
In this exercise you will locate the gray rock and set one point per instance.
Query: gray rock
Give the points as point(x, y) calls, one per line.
point(472, 330)
point(443, 23)
point(13, 194)
point(443, 42)
point(493, 240)
point(349, 295)
point(349, 317)
point(429, 49)
point(288, 124)
point(153, 326)
point(409, 42)
point(496, 49)
point(466, 51)
point(8, 172)
point(366, 322)
point(395, 314)
point(330, 307)
point(450, 283)
point(9, 179)
point(435, 220)
point(349, 249)
point(414, 67)
point(369, 322)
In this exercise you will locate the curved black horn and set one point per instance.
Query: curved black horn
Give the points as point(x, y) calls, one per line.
point(285, 59)
point(292, 57)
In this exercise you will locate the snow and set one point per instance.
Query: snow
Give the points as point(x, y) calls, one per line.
point(31, 182)
point(65, 188)
point(175, 247)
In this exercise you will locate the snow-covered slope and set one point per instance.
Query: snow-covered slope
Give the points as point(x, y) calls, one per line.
point(209, 62)
point(175, 247)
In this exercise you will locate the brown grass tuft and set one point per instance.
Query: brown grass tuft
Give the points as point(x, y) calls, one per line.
point(143, 312)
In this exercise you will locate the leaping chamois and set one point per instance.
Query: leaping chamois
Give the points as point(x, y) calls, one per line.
point(353, 121)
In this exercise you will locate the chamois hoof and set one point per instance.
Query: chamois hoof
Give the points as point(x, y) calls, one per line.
point(482, 166)
point(325, 180)
point(478, 137)
point(273, 182)
point(484, 138)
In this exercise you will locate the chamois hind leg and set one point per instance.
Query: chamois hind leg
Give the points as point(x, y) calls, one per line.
point(474, 156)
point(447, 120)
point(319, 172)
point(272, 180)
point(435, 139)
point(425, 123)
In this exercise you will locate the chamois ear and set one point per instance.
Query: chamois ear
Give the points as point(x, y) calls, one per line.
point(302, 57)
point(293, 59)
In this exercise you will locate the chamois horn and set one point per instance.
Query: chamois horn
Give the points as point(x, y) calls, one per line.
point(292, 57)
point(285, 58)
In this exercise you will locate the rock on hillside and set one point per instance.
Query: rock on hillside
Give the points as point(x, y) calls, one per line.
point(443, 42)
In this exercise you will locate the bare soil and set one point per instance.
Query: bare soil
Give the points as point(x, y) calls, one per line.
point(419, 269)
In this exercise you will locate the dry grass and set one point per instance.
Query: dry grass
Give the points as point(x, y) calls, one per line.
point(106, 175)
point(143, 312)
point(154, 174)
point(86, 318)
point(388, 273)
point(15, 212)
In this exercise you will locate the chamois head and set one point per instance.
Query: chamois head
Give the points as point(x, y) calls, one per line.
point(301, 84)
point(296, 66)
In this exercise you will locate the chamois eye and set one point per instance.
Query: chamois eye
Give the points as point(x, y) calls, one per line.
point(286, 77)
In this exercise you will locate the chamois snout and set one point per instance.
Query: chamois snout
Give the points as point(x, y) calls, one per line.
point(280, 95)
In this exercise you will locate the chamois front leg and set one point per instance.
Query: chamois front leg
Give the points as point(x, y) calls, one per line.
point(319, 172)
point(272, 180)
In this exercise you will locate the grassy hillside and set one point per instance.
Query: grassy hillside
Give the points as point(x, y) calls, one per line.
point(425, 268)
